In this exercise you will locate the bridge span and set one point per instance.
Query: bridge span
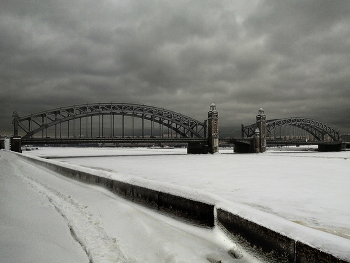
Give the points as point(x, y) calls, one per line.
point(99, 120)
point(135, 124)
point(305, 131)
point(116, 123)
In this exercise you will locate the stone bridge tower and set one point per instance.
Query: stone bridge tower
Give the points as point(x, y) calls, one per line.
point(260, 133)
point(213, 129)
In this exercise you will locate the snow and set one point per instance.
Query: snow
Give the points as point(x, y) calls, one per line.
point(25, 235)
point(296, 191)
point(307, 187)
point(46, 217)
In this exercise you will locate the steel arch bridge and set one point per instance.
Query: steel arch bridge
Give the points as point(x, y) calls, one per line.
point(316, 128)
point(182, 125)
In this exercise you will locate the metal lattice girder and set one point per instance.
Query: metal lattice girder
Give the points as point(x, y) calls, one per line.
point(183, 125)
point(315, 128)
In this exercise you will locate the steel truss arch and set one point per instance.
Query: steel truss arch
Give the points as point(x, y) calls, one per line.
point(181, 124)
point(315, 128)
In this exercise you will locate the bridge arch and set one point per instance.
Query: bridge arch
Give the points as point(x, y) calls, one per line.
point(38, 122)
point(316, 128)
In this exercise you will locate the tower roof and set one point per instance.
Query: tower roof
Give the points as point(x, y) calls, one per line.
point(261, 111)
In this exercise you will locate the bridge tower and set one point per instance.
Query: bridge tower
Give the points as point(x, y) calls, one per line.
point(15, 123)
point(261, 125)
point(15, 140)
point(213, 129)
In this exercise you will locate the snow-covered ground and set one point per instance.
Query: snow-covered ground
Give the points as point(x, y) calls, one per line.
point(46, 217)
point(299, 184)
point(291, 190)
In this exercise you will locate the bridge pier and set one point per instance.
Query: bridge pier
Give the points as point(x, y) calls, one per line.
point(345, 145)
point(16, 144)
point(260, 135)
point(330, 147)
point(213, 129)
point(257, 143)
point(2, 143)
point(15, 123)
point(197, 148)
point(244, 147)
point(212, 145)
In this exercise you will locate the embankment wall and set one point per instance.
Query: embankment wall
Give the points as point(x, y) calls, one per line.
point(195, 211)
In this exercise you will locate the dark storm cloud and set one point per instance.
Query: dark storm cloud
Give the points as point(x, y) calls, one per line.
point(308, 43)
point(289, 57)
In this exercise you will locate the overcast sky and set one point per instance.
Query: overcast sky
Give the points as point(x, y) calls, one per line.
point(292, 58)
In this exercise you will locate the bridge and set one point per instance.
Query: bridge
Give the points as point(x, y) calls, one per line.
point(114, 123)
point(117, 123)
point(296, 131)
point(318, 130)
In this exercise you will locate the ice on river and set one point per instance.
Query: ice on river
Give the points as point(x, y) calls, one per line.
point(299, 185)
point(47, 217)
point(304, 186)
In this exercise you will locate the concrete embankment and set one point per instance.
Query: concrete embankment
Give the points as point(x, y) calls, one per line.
point(195, 211)
point(264, 240)
point(279, 246)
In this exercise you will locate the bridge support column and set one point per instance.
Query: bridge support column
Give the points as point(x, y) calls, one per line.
point(213, 129)
point(197, 148)
point(261, 124)
point(2, 143)
point(330, 147)
point(15, 142)
point(257, 145)
point(15, 123)
point(241, 147)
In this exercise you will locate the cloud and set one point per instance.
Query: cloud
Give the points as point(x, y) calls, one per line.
point(290, 57)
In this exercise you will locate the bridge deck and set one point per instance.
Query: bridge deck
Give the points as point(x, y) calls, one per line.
point(279, 142)
point(298, 142)
point(30, 141)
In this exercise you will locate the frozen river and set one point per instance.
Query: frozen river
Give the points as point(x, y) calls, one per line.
point(47, 217)
point(301, 185)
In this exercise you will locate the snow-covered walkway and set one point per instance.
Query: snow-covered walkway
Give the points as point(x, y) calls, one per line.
point(31, 229)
